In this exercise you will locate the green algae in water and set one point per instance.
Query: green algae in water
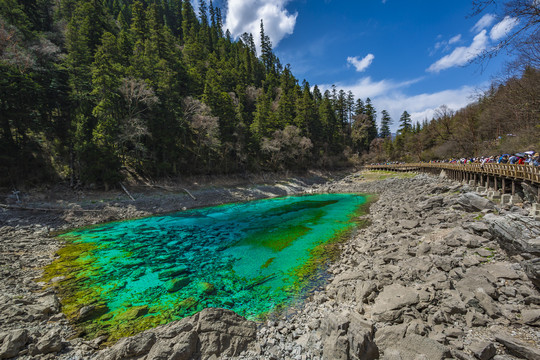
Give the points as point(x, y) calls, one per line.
point(252, 258)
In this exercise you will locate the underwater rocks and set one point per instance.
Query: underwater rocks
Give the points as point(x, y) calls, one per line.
point(176, 284)
point(209, 333)
point(207, 288)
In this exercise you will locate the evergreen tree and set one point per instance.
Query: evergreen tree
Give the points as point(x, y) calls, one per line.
point(267, 55)
point(190, 24)
point(371, 114)
point(386, 121)
point(405, 125)
point(328, 118)
point(307, 117)
point(286, 104)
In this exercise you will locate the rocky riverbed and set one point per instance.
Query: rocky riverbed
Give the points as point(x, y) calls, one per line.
point(440, 273)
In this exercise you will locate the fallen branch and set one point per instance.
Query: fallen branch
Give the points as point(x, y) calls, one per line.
point(193, 197)
point(127, 192)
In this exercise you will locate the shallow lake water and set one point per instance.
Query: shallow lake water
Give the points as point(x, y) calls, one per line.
point(253, 258)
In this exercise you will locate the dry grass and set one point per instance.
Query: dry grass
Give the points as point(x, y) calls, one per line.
point(375, 175)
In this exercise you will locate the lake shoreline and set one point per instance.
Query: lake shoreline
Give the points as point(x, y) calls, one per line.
point(33, 326)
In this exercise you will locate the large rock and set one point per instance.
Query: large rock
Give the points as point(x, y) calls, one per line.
point(12, 343)
point(483, 350)
point(391, 300)
point(476, 280)
point(132, 347)
point(418, 347)
point(210, 333)
point(532, 269)
point(517, 234)
point(473, 202)
point(531, 316)
point(50, 343)
point(223, 332)
point(517, 348)
point(348, 336)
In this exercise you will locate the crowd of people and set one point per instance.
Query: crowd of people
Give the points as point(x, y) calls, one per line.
point(524, 158)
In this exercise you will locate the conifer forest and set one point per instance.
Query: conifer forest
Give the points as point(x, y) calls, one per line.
point(92, 91)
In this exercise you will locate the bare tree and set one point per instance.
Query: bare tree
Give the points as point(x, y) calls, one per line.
point(204, 125)
point(138, 98)
point(523, 39)
point(287, 146)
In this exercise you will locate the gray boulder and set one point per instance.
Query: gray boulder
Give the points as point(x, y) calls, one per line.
point(418, 347)
point(519, 234)
point(517, 348)
point(348, 336)
point(515, 233)
point(211, 333)
point(473, 202)
point(483, 350)
point(50, 343)
point(532, 269)
point(13, 342)
point(531, 316)
point(393, 298)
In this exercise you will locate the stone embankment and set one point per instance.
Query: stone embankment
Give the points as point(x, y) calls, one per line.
point(440, 273)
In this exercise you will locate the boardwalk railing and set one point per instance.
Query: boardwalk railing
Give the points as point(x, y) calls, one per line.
point(489, 175)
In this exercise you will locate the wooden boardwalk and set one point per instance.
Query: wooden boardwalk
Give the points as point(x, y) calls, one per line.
point(499, 177)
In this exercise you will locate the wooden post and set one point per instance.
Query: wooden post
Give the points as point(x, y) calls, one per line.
point(503, 185)
point(513, 187)
point(487, 182)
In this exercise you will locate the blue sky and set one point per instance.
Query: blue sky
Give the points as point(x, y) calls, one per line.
point(405, 55)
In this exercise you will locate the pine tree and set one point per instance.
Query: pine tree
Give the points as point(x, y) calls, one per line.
point(372, 118)
point(106, 76)
point(267, 56)
point(260, 126)
point(386, 121)
point(405, 125)
point(190, 24)
point(286, 105)
point(328, 118)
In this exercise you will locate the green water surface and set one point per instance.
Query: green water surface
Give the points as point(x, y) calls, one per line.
point(253, 258)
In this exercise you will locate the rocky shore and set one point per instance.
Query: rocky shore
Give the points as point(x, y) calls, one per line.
point(440, 273)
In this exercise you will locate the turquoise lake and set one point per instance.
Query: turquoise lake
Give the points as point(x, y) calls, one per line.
point(253, 258)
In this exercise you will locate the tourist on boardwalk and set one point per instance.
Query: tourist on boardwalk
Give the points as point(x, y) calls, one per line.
point(513, 159)
point(535, 160)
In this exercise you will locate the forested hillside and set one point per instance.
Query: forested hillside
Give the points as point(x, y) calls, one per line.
point(94, 90)
point(506, 119)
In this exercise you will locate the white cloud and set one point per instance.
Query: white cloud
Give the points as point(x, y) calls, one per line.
point(462, 55)
point(503, 28)
point(366, 87)
point(444, 45)
point(389, 95)
point(362, 64)
point(483, 23)
point(455, 39)
point(423, 106)
point(245, 16)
